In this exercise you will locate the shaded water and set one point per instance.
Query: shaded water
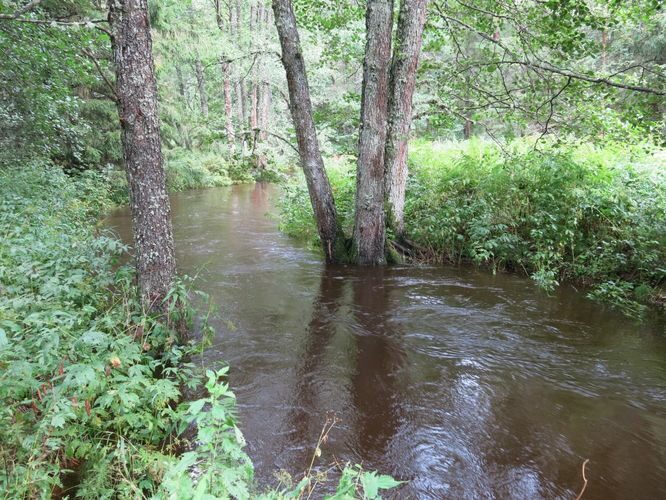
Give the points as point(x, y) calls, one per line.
point(465, 384)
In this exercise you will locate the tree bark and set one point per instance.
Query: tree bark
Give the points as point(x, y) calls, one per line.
point(228, 104)
point(264, 110)
point(369, 230)
point(264, 93)
point(142, 154)
point(319, 188)
point(201, 85)
point(403, 80)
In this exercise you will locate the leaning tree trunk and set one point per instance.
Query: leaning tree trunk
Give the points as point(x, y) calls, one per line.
point(369, 231)
point(403, 80)
point(142, 154)
point(319, 187)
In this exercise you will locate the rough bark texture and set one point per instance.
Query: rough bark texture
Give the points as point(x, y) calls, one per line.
point(369, 231)
point(201, 85)
point(403, 80)
point(142, 154)
point(319, 187)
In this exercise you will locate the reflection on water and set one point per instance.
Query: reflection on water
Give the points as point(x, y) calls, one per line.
point(466, 384)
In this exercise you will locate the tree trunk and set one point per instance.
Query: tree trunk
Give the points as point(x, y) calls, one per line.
point(403, 80)
point(369, 231)
point(181, 82)
point(264, 110)
point(467, 129)
point(319, 187)
point(264, 94)
point(201, 85)
point(228, 105)
point(142, 154)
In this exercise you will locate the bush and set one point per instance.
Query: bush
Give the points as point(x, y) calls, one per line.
point(575, 212)
point(90, 387)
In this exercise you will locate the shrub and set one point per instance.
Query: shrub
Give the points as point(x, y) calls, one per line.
point(576, 212)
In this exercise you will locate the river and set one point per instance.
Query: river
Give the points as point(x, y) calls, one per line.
point(463, 383)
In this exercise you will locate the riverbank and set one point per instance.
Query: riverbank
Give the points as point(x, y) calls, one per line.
point(201, 169)
point(91, 387)
point(565, 213)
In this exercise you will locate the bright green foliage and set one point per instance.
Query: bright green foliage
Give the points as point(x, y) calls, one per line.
point(573, 212)
point(80, 384)
point(221, 468)
point(87, 381)
point(90, 387)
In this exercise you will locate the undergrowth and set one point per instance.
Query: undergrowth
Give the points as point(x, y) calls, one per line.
point(568, 212)
point(91, 388)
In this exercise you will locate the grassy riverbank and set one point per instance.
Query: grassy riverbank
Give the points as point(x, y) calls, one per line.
point(576, 213)
point(201, 169)
point(91, 388)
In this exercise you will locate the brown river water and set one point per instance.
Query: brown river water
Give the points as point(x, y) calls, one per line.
point(464, 384)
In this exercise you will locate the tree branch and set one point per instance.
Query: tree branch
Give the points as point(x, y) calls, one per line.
point(546, 66)
point(112, 87)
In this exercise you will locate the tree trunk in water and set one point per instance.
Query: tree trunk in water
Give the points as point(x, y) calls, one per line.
point(201, 85)
point(142, 154)
point(369, 231)
point(319, 188)
point(403, 80)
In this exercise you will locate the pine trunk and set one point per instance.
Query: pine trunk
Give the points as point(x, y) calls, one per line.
point(369, 230)
point(321, 195)
point(142, 154)
point(403, 80)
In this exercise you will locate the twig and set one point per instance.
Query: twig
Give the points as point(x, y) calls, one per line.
point(116, 97)
point(93, 23)
point(284, 139)
point(580, 495)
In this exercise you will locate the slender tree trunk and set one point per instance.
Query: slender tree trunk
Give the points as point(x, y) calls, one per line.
point(265, 110)
point(201, 85)
point(403, 80)
point(228, 104)
point(142, 154)
point(467, 129)
point(321, 195)
point(369, 230)
point(264, 93)
point(181, 83)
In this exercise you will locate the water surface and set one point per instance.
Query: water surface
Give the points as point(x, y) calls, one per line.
point(465, 384)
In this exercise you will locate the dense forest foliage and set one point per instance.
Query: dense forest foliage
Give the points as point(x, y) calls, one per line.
point(525, 136)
